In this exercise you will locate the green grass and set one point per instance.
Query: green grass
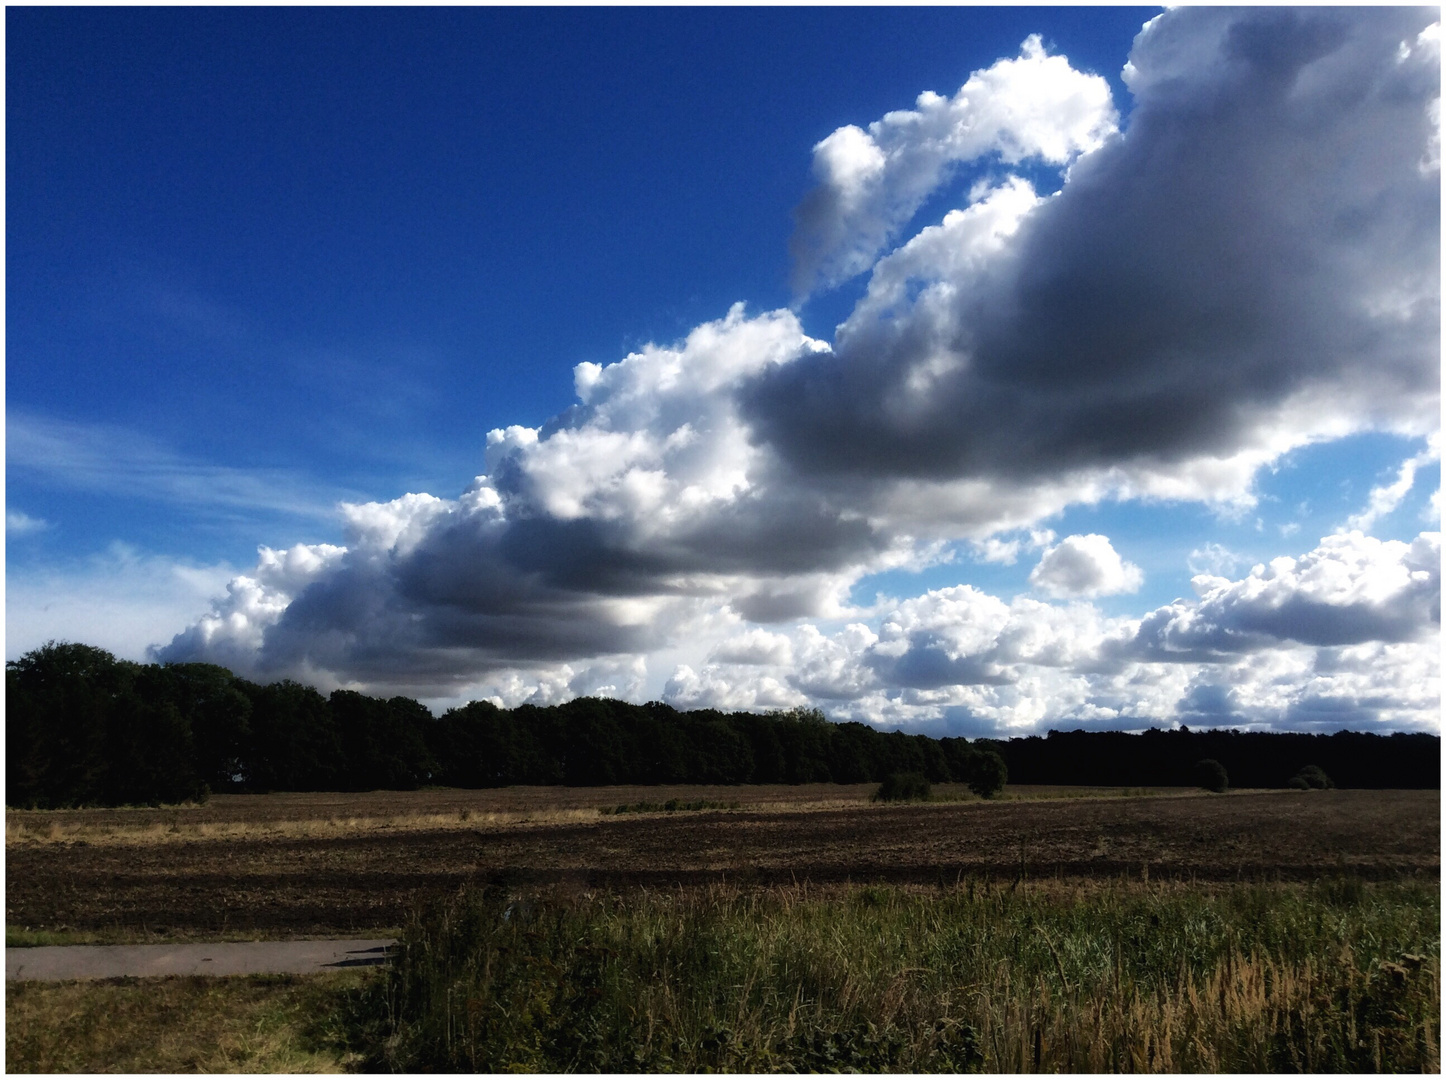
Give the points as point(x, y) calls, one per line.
point(1086, 977)
point(1340, 975)
point(257, 1023)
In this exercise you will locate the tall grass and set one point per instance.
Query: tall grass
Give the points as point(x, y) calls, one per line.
point(1086, 977)
point(178, 1024)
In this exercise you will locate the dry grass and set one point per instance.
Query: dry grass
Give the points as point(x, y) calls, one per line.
point(1247, 1014)
point(256, 1024)
point(1102, 977)
point(181, 830)
point(333, 815)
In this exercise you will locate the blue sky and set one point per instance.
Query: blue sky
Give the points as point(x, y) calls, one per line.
point(262, 262)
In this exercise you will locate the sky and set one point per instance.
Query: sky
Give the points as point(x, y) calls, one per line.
point(963, 370)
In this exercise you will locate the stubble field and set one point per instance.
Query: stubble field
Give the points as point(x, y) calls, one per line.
point(307, 864)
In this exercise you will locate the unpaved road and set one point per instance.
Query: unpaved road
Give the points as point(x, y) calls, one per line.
point(51, 963)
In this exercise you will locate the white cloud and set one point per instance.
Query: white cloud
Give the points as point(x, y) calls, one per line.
point(1349, 590)
point(595, 536)
point(713, 689)
point(116, 600)
point(756, 646)
point(1219, 560)
point(994, 550)
point(117, 461)
point(870, 183)
point(1343, 636)
point(1387, 497)
point(1085, 566)
point(19, 523)
point(233, 632)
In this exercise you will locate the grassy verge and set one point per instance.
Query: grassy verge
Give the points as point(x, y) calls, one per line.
point(1074, 977)
point(254, 1024)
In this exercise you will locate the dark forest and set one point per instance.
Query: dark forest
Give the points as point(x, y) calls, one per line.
point(83, 728)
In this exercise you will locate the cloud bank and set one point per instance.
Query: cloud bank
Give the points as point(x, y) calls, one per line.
point(1249, 267)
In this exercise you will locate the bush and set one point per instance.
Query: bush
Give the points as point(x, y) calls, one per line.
point(1210, 775)
point(1311, 778)
point(903, 787)
point(987, 774)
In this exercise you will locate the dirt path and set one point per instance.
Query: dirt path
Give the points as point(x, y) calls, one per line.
point(52, 963)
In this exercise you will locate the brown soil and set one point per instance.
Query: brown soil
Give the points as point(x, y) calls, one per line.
point(359, 862)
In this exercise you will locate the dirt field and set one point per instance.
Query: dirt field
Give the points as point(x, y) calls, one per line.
point(284, 865)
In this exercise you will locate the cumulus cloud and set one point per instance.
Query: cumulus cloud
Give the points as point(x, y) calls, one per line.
point(1085, 566)
point(1344, 636)
point(1252, 265)
point(596, 535)
point(870, 183)
point(1349, 590)
point(756, 646)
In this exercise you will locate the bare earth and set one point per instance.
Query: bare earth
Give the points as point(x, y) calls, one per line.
point(309, 864)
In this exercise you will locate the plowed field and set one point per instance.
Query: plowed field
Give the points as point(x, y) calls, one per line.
point(318, 864)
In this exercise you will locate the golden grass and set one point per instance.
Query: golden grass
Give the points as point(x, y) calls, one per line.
point(180, 831)
point(253, 1024)
point(1240, 1016)
point(329, 815)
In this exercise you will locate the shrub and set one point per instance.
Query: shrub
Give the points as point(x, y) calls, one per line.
point(1311, 777)
point(987, 774)
point(1210, 775)
point(903, 787)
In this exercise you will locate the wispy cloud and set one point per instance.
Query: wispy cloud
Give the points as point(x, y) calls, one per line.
point(114, 460)
point(19, 523)
point(119, 599)
point(1387, 497)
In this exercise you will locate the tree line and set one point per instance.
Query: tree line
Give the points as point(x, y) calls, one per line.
point(1251, 759)
point(83, 728)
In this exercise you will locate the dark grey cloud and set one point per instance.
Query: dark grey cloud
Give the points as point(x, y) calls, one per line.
point(1210, 705)
point(929, 664)
point(1257, 253)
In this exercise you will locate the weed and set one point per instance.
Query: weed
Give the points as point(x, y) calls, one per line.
point(1066, 977)
point(178, 1024)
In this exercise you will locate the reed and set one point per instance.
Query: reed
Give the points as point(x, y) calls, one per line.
point(1341, 975)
